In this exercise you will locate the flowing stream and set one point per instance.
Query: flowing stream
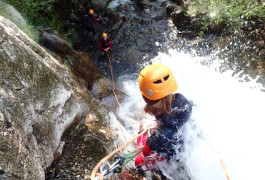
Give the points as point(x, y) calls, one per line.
point(227, 121)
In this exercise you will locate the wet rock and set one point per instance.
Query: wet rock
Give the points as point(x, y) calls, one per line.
point(178, 2)
point(55, 44)
point(49, 30)
point(110, 101)
point(85, 146)
point(118, 24)
point(84, 67)
point(181, 21)
point(158, 15)
point(81, 63)
point(170, 7)
point(143, 4)
point(101, 88)
point(99, 5)
point(73, 18)
point(133, 55)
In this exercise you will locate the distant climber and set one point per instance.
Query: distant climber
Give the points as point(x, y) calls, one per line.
point(89, 22)
point(105, 43)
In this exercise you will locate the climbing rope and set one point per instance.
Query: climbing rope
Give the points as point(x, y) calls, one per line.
point(219, 157)
point(94, 172)
point(224, 168)
point(131, 155)
point(113, 89)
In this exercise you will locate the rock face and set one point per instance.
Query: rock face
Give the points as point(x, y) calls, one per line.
point(56, 44)
point(80, 63)
point(99, 5)
point(39, 100)
point(179, 18)
point(12, 13)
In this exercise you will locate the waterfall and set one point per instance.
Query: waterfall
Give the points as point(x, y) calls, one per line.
point(227, 119)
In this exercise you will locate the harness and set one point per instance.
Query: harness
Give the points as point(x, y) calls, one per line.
point(105, 44)
point(147, 159)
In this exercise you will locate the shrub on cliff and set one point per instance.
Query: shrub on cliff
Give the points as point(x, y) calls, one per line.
point(39, 12)
point(234, 14)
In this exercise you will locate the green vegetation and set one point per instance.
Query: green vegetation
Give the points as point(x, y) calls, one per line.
point(35, 10)
point(68, 65)
point(38, 12)
point(230, 13)
point(25, 26)
point(68, 34)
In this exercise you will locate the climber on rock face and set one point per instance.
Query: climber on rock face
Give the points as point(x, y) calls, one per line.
point(89, 22)
point(105, 43)
point(171, 111)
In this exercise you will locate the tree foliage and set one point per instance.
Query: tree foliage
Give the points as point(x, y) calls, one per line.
point(232, 13)
point(39, 12)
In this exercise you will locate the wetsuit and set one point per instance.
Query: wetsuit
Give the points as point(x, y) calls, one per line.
point(165, 138)
point(103, 44)
point(89, 23)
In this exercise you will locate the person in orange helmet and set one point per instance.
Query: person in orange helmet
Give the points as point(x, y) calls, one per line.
point(105, 43)
point(89, 22)
point(171, 111)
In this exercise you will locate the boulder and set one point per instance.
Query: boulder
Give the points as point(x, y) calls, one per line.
point(40, 100)
point(56, 44)
point(80, 62)
point(101, 88)
point(133, 55)
point(12, 14)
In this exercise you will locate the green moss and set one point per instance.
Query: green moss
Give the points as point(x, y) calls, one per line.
point(68, 35)
point(68, 65)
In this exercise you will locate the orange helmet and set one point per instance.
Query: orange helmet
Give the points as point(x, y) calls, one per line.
point(104, 35)
point(156, 81)
point(91, 11)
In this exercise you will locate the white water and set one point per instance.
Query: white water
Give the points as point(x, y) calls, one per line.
point(228, 117)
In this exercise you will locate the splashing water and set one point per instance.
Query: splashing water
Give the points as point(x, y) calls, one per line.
point(228, 118)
